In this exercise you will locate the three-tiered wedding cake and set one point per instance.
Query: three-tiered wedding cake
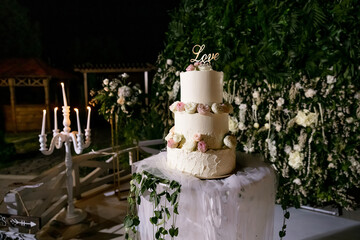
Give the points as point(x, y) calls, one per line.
point(200, 143)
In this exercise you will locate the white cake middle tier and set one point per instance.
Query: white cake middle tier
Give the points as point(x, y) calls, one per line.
point(213, 127)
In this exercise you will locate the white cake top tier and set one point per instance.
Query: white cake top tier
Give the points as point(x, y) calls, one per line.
point(204, 87)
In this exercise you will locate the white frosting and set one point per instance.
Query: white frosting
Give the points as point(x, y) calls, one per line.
point(204, 87)
point(212, 126)
point(212, 163)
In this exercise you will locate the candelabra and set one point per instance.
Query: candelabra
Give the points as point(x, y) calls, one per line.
point(66, 137)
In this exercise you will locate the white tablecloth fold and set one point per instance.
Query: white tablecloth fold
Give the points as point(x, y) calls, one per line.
point(240, 206)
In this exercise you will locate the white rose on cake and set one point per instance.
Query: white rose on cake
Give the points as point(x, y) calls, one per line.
point(173, 106)
point(177, 137)
point(205, 67)
point(190, 146)
point(190, 107)
point(230, 141)
point(217, 108)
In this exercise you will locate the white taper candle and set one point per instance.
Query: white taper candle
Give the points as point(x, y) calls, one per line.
point(55, 118)
point(78, 119)
point(64, 96)
point(88, 118)
point(43, 123)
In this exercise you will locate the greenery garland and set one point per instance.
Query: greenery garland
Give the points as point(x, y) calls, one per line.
point(165, 204)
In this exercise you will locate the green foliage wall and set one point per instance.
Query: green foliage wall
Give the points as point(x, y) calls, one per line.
point(282, 60)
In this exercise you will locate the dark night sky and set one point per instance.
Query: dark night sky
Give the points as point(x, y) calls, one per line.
point(110, 31)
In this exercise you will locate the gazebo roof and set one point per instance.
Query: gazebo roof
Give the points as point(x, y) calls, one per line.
point(30, 67)
point(116, 67)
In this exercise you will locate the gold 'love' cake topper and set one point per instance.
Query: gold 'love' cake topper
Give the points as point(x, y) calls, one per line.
point(206, 58)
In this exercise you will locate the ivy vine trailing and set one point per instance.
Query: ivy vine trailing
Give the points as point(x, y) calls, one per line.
point(164, 194)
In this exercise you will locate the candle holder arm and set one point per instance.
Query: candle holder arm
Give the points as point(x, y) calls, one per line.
point(77, 142)
point(56, 141)
point(87, 138)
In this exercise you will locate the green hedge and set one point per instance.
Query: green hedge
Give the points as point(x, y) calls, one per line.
point(292, 74)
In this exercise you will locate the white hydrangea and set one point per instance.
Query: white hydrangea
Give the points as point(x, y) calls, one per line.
point(296, 159)
point(272, 149)
point(169, 62)
point(287, 149)
point(233, 125)
point(280, 102)
point(242, 106)
point(278, 126)
point(310, 93)
point(256, 95)
point(330, 79)
point(306, 118)
point(242, 126)
point(297, 181)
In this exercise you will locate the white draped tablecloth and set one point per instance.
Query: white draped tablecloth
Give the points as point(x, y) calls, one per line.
point(240, 206)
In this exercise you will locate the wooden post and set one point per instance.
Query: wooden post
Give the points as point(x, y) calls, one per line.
point(47, 103)
point(12, 101)
point(86, 93)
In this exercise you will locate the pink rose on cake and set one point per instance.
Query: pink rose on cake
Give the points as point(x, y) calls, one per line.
point(201, 146)
point(180, 106)
point(173, 106)
point(190, 68)
point(203, 108)
point(197, 137)
point(171, 143)
point(190, 107)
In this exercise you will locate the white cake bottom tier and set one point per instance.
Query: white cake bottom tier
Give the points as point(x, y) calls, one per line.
point(213, 127)
point(211, 164)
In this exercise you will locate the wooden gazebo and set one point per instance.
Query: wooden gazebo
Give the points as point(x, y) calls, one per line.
point(27, 72)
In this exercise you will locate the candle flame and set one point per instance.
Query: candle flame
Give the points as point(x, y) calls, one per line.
point(76, 110)
point(44, 111)
point(56, 108)
point(62, 84)
point(88, 107)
